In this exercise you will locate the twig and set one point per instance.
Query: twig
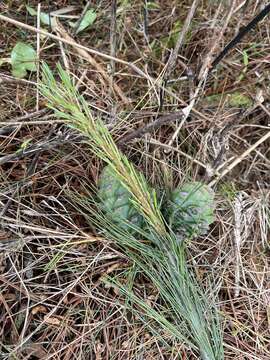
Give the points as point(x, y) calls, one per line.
point(34, 122)
point(150, 127)
point(31, 115)
point(173, 58)
point(222, 137)
point(64, 57)
point(243, 6)
point(27, 307)
point(6, 130)
point(238, 240)
point(50, 15)
point(61, 46)
point(113, 35)
point(245, 30)
point(33, 149)
point(4, 78)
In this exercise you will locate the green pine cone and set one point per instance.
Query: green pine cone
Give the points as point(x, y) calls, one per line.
point(190, 209)
point(116, 200)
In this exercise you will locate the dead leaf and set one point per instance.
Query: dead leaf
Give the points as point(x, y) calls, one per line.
point(52, 321)
point(39, 309)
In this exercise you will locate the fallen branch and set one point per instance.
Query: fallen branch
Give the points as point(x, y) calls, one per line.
point(162, 120)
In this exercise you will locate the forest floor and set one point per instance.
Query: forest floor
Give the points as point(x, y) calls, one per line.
point(134, 63)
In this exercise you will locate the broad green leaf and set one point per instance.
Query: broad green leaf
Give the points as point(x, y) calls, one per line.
point(23, 58)
point(44, 18)
point(88, 19)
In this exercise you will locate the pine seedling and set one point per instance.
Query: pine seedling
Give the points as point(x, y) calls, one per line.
point(164, 263)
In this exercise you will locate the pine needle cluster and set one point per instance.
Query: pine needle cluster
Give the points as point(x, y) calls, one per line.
point(188, 314)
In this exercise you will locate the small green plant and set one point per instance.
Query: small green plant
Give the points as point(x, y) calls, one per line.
point(190, 316)
point(87, 20)
point(23, 59)
point(49, 19)
point(45, 18)
point(238, 99)
point(189, 209)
